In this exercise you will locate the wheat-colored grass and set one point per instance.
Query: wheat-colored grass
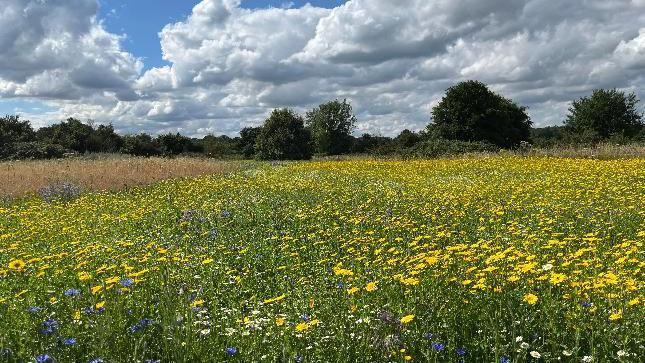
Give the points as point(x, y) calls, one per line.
point(18, 178)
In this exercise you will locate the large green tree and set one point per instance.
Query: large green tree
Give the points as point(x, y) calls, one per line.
point(284, 137)
point(331, 127)
point(470, 111)
point(605, 113)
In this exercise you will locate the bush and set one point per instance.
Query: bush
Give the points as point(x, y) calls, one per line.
point(31, 150)
point(140, 145)
point(284, 137)
point(435, 148)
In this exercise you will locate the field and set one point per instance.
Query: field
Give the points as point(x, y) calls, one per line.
point(490, 259)
point(107, 172)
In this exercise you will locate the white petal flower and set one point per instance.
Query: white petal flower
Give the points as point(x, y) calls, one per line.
point(535, 354)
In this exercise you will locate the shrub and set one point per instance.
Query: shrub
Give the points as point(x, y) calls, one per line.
point(441, 147)
point(31, 150)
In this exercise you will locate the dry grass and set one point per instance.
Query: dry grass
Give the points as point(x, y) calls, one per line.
point(19, 178)
point(602, 151)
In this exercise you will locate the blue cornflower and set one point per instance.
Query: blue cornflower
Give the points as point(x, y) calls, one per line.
point(34, 309)
point(428, 336)
point(69, 341)
point(299, 359)
point(44, 358)
point(50, 326)
point(461, 352)
point(97, 360)
point(231, 351)
point(305, 317)
point(587, 304)
point(134, 328)
point(438, 347)
point(145, 322)
point(72, 292)
point(504, 360)
point(225, 213)
point(126, 282)
point(340, 285)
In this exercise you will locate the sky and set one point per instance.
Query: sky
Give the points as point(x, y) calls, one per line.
point(216, 66)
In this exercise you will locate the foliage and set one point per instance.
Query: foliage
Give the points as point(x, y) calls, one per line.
point(284, 137)
point(438, 147)
point(75, 135)
point(140, 145)
point(492, 259)
point(218, 146)
point(471, 112)
point(12, 129)
point(31, 150)
point(173, 144)
point(407, 139)
point(606, 113)
point(331, 126)
point(248, 139)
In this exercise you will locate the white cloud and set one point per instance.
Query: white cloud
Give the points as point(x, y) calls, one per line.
point(392, 59)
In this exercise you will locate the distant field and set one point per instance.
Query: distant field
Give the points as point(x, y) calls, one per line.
point(113, 173)
point(493, 259)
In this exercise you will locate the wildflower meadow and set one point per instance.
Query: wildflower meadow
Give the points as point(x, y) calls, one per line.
point(486, 259)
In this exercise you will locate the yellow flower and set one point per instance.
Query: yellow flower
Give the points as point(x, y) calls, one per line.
point(96, 289)
point(302, 327)
point(616, 315)
point(207, 261)
point(531, 299)
point(407, 319)
point(352, 291)
point(100, 305)
point(371, 287)
point(17, 265)
point(84, 276)
point(197, 303)
point(342, 272)
point(279, 321)
point(407, 358)
point(275, 299)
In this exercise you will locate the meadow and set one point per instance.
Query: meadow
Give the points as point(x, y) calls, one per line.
point(487, 259)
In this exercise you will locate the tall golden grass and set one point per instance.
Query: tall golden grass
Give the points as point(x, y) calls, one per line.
point(18, 178)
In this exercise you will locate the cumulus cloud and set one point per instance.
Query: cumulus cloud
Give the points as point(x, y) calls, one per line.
point(57, 49)
point(229, 66)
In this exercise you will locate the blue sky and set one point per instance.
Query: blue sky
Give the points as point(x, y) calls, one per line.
point(141, 20)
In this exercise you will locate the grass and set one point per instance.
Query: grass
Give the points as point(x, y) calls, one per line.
point(18, 178)
point(480, 259)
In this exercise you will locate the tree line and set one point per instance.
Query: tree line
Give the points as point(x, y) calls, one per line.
point(469, 118)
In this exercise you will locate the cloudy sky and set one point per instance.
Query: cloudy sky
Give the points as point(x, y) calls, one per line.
point(215, 66)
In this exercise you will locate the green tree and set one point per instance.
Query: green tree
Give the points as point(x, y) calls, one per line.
point(284, 137)
point(248, 138)
point(13, 130)
point(605, 113)
point(71, 134)
point(331, 127)
point(471, 112)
